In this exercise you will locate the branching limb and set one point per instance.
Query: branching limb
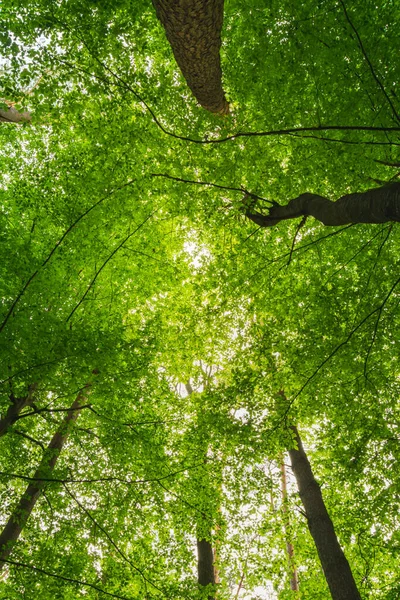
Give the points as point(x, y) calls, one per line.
point(377, 205)
point(110, 539)
point(57, 245)
point(242, 190)
point(63, 578)
point(28, 437)
point(91, 284)
point(373, 72)
point(299, 226)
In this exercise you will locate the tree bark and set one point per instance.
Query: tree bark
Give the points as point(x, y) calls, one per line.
point(378, 205)
point(17, 404)
point(205, 564)
point(25, 506)
point(11, 115)
point(193, 29)
point(334, 563)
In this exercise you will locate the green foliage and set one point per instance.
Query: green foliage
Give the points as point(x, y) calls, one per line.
point(106, 263)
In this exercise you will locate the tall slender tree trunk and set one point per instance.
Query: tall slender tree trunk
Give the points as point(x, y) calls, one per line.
point(25, 506)
point(334, 563)
point(294, 580)
point(17, 404)
point(193, 28)
point(205, 554)
point(378, 205)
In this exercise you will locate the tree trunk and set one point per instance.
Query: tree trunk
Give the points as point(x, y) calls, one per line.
point(378, 205)
point(334, 563)
point(193, 28)
point(294, 580)
point(205, 554)
point(11, 115)
point(205, 564)
point(17, 404)
point(20, 516)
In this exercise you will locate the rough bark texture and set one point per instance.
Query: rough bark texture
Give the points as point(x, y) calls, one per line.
point(334, 563)
point(11, 115)
point(193, 29)
point(378, 205)
point(25, 506)
point(17, 404)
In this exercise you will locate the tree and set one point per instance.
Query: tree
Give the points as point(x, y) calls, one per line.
point(16, 406)
point(334, 563)
point(23, 510)
point(194, 31)
point(125, 245)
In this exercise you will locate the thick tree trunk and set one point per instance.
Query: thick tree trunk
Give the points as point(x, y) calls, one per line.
point(205, 564)
point(17, 404)
point(378, 205)
point(294, 580)
point(193, 29)
point(11, 115)
point(334, 563)
point(25, 506)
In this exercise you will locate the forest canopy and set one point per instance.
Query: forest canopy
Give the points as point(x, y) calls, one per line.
point(199, 319)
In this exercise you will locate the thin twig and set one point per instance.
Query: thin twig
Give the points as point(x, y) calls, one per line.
point(374, 75)
point(378, 309)
point(355, 254)
point(91, 284)
point(57, 245)
point(63, 578)
point(110, 539)
point(379, 312)
point(207, 183)
point(110, 479)
point(28, 437)
point(300, 225)
point(335, 140)
point(304, 247)
point(51, 410)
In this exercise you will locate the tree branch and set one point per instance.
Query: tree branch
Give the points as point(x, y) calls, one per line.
point(278, 132)
point(374, 75)
point(377, 205)
point(52, 410)
point(57, 245)
point(28, 437)
point(91, 284)
point(207, 183)
point(109, 538)
point(63, 578)
point(349, 336)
